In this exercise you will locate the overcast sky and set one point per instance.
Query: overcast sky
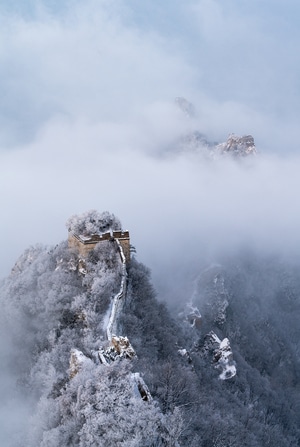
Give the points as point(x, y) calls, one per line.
point(87, 113)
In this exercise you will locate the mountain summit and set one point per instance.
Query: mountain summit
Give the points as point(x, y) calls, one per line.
point(99, 361)
point(197, 142)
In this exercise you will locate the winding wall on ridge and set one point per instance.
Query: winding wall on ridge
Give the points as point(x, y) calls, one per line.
point(118, 298)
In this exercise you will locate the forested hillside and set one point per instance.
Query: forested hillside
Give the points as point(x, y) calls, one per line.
point(254, 302)
point(221, 370)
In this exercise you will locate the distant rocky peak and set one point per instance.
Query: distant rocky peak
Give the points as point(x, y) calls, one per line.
point(196, 142)
point(185, 106)
point(240, 146)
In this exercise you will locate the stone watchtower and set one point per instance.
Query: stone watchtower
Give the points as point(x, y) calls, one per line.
point(84, 244)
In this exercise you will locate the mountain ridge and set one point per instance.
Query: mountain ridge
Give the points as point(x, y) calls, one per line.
point(160, 383)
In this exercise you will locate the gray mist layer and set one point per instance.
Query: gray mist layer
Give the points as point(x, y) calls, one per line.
point(80, 130)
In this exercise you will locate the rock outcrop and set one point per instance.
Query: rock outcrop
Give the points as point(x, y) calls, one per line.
point(196, 142)
point(119, 348)
point(185, 106)
point(238, 146)
point(222, 356)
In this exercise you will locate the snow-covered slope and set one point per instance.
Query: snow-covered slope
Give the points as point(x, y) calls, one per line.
point(78, 366)
point(102, 361)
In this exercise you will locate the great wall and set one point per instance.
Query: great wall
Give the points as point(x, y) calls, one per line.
point(118, 345)
point(85, 243)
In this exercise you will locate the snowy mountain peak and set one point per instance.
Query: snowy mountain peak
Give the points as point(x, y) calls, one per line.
point(238, 146)
point(196, 142)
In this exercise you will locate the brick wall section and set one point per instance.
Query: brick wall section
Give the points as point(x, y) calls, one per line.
point(84, 246)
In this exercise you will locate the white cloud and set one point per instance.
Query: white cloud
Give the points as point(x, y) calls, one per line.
point(86, 64)
point(179, 201)
point(88, 109)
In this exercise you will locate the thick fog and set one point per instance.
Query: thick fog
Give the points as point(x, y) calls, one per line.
point(88, 120)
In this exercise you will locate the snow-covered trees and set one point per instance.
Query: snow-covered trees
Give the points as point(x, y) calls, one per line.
point(58, 308)
point(93, 222)
point(53, 309)
point(112, 415)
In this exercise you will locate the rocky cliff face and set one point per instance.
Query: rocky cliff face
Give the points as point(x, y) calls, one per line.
point(185, 106)
point(238, 146)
